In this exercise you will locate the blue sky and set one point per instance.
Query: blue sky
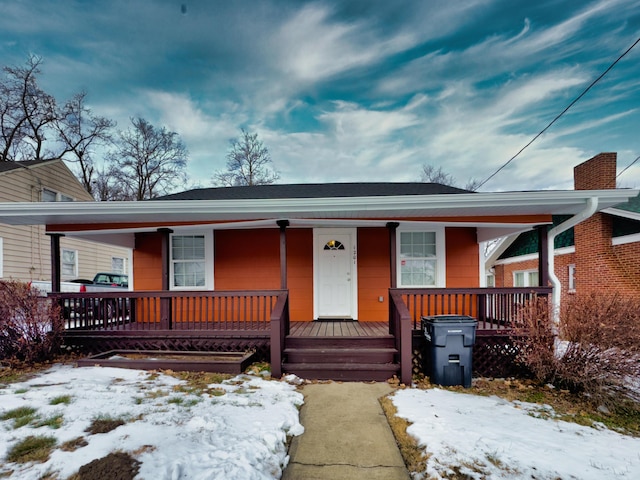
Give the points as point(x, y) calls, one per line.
point(354, 91)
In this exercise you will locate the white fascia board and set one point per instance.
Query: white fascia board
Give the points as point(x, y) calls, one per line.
point(470, 204)
point(622, 213)
point(531, 256)
point(626, 239)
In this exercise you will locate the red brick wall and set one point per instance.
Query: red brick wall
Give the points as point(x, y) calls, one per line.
point(599, 265)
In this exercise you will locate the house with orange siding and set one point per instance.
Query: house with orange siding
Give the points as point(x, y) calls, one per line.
point(330, 280)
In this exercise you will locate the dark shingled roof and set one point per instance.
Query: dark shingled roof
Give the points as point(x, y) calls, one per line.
point(314, 190)
point(8, 166)
point(632, 205)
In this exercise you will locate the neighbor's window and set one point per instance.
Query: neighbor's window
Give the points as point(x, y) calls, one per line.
point(117, 265)
point(421, 258)
point(52, 196)
point(49, 195)
point(191, 261)
point(572, 278)
point(491, 280)
point(69, 263)
point(525, 278)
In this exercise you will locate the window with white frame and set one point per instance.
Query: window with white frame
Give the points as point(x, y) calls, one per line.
point(525, 278)
point(118, 265)
point(491, 280)
point(192, 261)
point(48, 195)
point(421, 258)
point(572, 278)
point(69, 263)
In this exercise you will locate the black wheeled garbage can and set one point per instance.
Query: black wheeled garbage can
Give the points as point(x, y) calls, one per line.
point(448, 357)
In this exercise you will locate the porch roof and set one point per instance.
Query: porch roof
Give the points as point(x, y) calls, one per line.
point(459, 208)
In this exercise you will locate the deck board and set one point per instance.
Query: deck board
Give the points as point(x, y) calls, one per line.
point(339, 329)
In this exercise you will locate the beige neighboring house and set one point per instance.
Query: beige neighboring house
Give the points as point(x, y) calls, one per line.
point(25, 250)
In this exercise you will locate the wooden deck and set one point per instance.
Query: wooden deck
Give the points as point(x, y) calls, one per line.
point(338, 329)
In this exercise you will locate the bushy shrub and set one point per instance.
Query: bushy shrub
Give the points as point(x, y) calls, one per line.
point(30, 325)
point(594, 349)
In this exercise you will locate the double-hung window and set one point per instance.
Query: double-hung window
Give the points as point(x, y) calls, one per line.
point(421, 258)
point(192, 261)
point(525, 278)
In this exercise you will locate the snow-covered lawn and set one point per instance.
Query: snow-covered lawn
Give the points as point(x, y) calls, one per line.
point(237, 431)
point(489, 437)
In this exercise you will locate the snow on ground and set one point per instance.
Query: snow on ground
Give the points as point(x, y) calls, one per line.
point(238, 434)
point(502, 439)
point(240, 431)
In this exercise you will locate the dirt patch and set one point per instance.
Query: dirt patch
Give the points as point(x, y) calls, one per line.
point(115, 466)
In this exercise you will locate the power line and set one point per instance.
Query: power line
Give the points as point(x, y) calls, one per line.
point(627, 167)
point(561, 113)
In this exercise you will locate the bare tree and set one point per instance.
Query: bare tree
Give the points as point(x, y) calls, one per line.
point(248, 163)
point(148, 161)
point(26, 114)
point(431, 174)
point(80, 131)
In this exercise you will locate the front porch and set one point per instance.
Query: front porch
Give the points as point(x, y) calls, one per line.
point(259, 321)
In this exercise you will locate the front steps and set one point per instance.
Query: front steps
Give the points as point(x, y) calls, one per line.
point(341, 358)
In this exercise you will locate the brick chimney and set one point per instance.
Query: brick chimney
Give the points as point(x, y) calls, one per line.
point(597, 173)
point(597, 266)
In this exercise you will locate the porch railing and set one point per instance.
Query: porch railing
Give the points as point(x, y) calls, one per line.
point(170, 310)
point(494, 308)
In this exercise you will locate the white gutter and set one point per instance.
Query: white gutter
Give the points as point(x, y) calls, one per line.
point(588, 211)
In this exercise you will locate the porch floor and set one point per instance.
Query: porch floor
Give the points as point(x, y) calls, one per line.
point(338, 329)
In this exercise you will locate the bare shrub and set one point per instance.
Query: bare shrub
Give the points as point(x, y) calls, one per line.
point(30, 326)
point(594, 349)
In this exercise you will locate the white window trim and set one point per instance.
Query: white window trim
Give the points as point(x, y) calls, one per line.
point(526, 276)
point(208, 259)
point(441, 264)
point(571, 282)
point(75, 267)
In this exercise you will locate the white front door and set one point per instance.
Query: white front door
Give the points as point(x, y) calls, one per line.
point(335, 278)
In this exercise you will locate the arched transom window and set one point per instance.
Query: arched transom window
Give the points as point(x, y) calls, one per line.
point(333, 245)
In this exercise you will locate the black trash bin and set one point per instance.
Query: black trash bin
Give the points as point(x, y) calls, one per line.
point(448, 356)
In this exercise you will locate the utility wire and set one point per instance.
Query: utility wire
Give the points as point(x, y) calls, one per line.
point(627, 167)
point(561, 113)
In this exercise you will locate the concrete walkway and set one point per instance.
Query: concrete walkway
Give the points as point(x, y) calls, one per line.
point(346, 436)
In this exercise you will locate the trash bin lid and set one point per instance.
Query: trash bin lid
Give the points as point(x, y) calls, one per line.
point(450, 319)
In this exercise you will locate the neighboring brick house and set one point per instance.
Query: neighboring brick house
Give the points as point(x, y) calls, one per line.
point(25, 250)
point(602, 252)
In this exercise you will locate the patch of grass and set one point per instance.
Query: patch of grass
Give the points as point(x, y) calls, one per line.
point(414, 456)
point(157, 394)
point(199, 383)
point(176, 400)
point(32, 449)
point(20, 391)
point(73, 445)
point(62, 399)
point(104, 424)
point(118, 465)
point(54, 421)
point(21, 416)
